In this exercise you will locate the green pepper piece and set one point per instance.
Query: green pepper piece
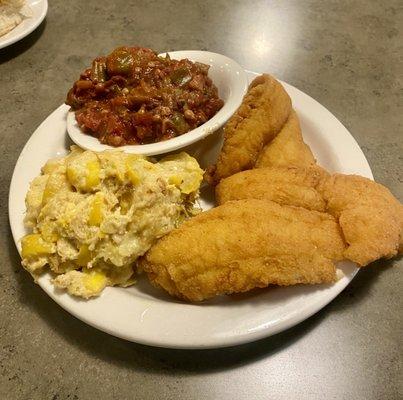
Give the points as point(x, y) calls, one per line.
point(179, 123)
point(180, 76)
point(120, 62)
point(98, 70)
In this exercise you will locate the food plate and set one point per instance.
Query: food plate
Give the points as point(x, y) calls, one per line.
point(146, 315)
point(39, 9)
point(226, 74)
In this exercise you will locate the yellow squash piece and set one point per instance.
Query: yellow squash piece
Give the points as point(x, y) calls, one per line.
point(95, 215)
point(83, 171)
point(55, 183)
point(94, 281)
point(84, 256)
point(48, 233)
point(175, 180)
point(93, 179)
point(33, 245)
point(131, 173)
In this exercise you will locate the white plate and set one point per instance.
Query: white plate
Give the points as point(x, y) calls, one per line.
point(146, 315)
point(231, 81)
point(39, 9)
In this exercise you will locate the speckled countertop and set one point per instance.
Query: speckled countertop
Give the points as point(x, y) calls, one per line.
point(348, 56)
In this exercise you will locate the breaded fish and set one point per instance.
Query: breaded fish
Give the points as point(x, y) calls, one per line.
point(287, 148)
point(289, 186)
point(217, 252)
point(370, 217)
point(263, 112)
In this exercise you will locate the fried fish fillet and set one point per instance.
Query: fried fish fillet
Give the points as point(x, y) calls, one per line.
point(263, 112)
point(370, 217)
point(217, 252)
point(288, 186)
point(287, 148)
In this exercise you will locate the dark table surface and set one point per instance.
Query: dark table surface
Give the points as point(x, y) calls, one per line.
point(345, 54)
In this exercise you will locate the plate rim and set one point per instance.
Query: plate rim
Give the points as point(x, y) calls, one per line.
point(216, 342)
point(28, 30)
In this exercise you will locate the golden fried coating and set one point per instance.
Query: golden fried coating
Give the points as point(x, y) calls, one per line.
point(369, 215)
point(263, 112)
point(217, 252)
point(288, 186)
point(370, 218)
point(287, 148)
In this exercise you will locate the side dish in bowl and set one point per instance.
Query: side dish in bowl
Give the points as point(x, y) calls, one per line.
point(149, 104)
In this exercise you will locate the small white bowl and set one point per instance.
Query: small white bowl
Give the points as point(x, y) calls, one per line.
point(231, 81)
